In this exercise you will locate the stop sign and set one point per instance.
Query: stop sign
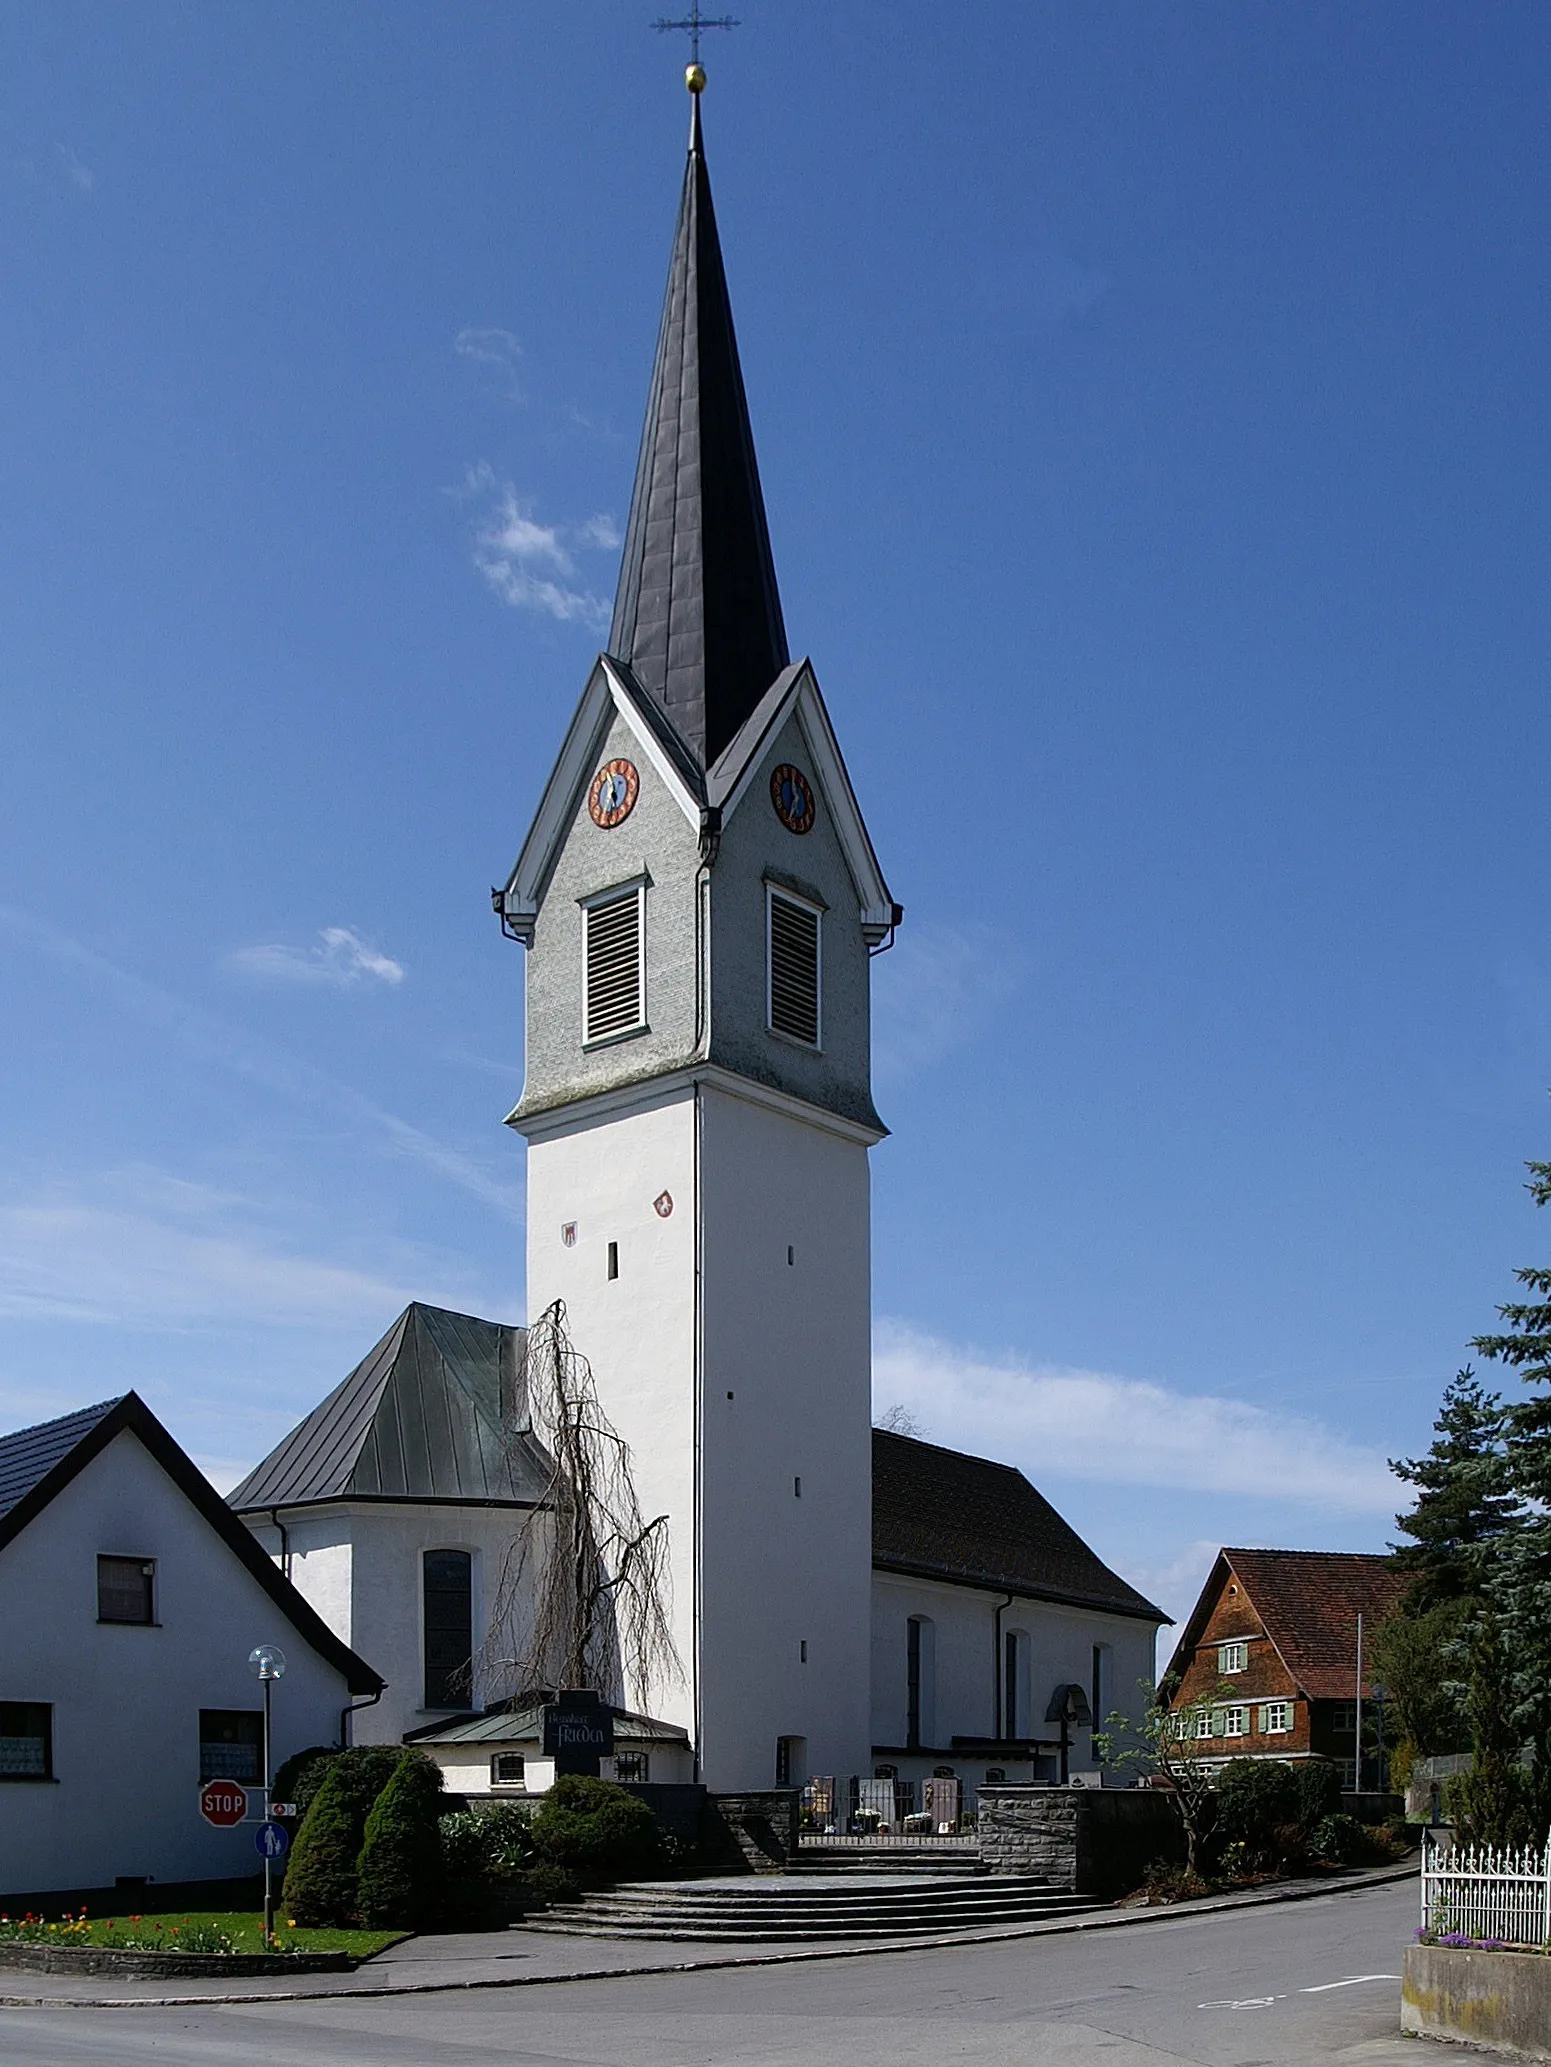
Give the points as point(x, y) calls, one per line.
point(223, 1803)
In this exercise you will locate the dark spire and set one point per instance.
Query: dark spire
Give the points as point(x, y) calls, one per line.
point(698, 616)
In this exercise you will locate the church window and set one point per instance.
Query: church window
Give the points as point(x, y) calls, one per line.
point(796, 1488)
point(448, 1610)
point(231, 1742)
point(920, 1681)
point(26, 1740)
point(509, 1769)
point(794, 967)
point(791, 1756)
point(126, 1589)
point(802, 1651)
point(613, 1259)
point(1100, 1702)
point(632, 1765)
point(614, 942)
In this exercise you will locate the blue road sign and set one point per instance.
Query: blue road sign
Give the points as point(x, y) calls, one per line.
point(272, 1839)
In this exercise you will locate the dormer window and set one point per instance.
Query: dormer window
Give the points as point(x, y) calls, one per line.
point(614, 964)
point(793, 966)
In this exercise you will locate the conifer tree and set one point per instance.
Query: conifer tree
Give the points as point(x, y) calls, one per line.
point(401, 1869)
point(321, 1872)
point(1463, 1503)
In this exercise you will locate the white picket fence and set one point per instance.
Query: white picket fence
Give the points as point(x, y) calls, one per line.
point(1481, 1891)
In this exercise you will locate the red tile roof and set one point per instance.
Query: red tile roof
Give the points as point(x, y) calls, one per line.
point(1308, 1602)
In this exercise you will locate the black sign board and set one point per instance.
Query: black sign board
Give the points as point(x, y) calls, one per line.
point(578, 1731)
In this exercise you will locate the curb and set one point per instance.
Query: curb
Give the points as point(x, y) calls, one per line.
point(1100, 1920)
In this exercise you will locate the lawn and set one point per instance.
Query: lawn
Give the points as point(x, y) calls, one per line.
point(245, 1928)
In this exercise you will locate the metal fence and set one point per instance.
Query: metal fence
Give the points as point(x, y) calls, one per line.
point(839, 1811)
point(1480, 1891)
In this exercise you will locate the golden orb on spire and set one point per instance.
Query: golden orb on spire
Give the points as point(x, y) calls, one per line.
point(694, 78)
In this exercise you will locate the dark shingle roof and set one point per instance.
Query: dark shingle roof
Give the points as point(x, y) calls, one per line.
point(420, 1418)
point(30, 1454)
point(1308, 1602)
point(942, 1515)
point(36, 1464)
point(698, 615)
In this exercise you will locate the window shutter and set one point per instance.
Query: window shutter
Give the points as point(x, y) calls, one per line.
point(613, 952)
point(794, 969)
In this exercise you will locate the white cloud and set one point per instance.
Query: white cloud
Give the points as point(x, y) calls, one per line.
point(531, 565)
point(341, 959)
point(1095, 1426)
point(602, 532)
point(207, 1039)
point(139, 1249)
point(496, 348)
point(931, 991)
point(75, 174)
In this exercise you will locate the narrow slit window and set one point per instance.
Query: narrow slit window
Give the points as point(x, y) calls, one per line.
point(794, 969)
point(613, 1259)
point(613, 939)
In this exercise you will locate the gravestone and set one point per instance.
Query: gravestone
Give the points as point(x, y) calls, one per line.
point(941, 1801)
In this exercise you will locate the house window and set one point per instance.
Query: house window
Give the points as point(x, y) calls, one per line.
point(1235, 1722)
point(126, 1589)
point(1343, 1718)
point(1204, 1720)
point(1275, 1718)
point(632, 1765)
point(614, 955)
point(449, 1627)
point(793, 968)
point(1232, 1657)
point(231, 1745)
point(508, 1769)
point(26, 1740)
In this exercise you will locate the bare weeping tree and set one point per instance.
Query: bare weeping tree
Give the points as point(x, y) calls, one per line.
point(595, 1569)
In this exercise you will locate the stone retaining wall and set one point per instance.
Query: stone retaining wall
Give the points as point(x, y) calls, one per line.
point(1086, 1840)
point(150, 1966)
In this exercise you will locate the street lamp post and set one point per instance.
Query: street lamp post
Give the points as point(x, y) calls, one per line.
point(268, 1661)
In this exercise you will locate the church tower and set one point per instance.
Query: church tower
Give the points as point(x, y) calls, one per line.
point(699, 900)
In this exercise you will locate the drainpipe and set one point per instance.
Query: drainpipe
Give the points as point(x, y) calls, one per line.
point(285, 1541)
point(349, 1709)
point(996, 1665)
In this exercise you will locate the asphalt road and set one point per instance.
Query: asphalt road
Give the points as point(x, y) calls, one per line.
point(1290, 1985)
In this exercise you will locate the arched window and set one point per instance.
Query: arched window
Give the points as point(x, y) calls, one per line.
point(920, 1681)
point(448, 1615)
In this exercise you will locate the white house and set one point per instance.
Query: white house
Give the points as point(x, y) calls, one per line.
point(130, 1599)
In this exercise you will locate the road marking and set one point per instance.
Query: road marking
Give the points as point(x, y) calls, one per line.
point(1250, 2002)
point(1355, 1981)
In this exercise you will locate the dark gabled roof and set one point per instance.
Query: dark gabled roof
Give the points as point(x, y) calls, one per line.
point(523, 1724)
point(423, 1417)
point(698, 615)
point(36, 1464)
point(941, 1515)
point(1308, 1602)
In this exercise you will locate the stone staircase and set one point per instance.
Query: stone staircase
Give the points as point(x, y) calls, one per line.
point(845, 1903)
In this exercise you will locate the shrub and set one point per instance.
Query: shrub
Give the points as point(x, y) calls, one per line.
point(1257, 1812)
point(1339, 1838)
point(548, 1883)
point(1318, 1788)
point(1167, 1882)
point(301, 1775)
point(400, 1876)
point(597, 1830)
point(320, 1880)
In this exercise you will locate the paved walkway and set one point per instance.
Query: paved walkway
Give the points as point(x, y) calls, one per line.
point(516, 1958)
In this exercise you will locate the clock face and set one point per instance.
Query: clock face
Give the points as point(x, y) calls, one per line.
point(614, 790)
point(793, 799)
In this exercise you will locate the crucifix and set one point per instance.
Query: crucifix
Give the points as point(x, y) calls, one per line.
point(694, 22)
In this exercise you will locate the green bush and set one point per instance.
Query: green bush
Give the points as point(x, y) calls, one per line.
point(301, 1775)
point(400, 1877)
point(1257, 1813)
point(1318, 1788)
point(320, 1879)
point(547, 1883)
point(1340, 1839)
point(597, 1830)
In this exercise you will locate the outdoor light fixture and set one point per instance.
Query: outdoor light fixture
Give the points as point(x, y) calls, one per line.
point(268, 1661)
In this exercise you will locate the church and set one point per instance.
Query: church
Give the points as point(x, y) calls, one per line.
point(700, 902)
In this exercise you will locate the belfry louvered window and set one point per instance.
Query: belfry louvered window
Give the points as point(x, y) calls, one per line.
point(794, 967)
point(613, 939)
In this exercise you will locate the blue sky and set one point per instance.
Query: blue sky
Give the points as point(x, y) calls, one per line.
point(1152, 407)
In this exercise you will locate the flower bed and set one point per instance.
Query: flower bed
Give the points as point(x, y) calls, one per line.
point(148, 1946)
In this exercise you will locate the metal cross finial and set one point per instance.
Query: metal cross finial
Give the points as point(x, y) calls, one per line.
point(694, 22)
